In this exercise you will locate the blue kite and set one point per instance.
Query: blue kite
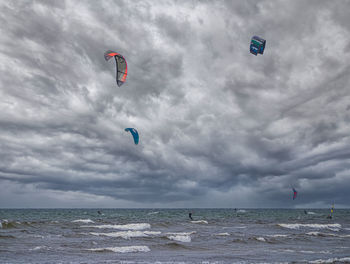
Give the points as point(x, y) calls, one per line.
point(134, 133)
point(257, 45)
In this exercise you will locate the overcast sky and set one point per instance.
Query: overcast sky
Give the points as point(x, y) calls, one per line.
point(219, 127)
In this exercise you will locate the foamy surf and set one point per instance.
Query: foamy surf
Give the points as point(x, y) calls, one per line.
point(127, 234)
point(140, 226)
point(181, 237)
point(85, 221)
point(326, 234)
point(261, 239)
point(222, 234)
point(331, 260)
point(199, 222)
point(277, 235)
point(129, 249)
point(333, 227)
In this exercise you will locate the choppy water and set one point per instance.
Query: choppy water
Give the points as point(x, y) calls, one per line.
point(168, 236)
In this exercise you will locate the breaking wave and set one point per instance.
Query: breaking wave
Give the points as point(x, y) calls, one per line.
point(333, 227)
point(128, 234)
point(331, 260)
point(181, 237)
point(140, 226)
point(86, 221)
point(129, 249)
point(199, 222)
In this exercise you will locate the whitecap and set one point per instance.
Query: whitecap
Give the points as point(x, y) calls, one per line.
point(152, 213)
point(139, 226)
point(86, 221)
point(333, 227)
point(241, 211)
point(314, 252)
point(260, 239)
point(199, 222)
point(128, 234)
point(129, 249)
point(331, 260)
point(278, 235)
point(180, 238)
point(222, 234)
point(326, 234)
point(38, 248)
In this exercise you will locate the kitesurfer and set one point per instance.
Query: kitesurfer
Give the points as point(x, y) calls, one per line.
point(190, 216)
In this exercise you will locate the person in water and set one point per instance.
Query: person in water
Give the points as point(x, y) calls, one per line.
point(305, 212)
point(190, 216)
point(99, 212)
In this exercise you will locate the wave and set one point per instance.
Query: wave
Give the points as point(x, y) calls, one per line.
point(86, 221)
point(306, 251)
point(326, 234)
point(261, 239)
point(199, 222)
point(38, 248)
point(174, 245)
point(153, 213)
point(222, 234)
point(333, 227)
point(129, 249)
point(5, 236)
point(277, 235)
point(4, 224)
point(127, 234)
point(241, 211)
point(181, 237)
point(139, 226)
point(331, 260)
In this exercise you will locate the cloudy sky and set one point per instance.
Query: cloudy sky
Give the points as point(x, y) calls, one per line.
point(219, 127)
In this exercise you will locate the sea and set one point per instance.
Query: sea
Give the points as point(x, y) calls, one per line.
point(170, 236)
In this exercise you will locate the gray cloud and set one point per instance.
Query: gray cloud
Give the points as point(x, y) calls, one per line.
point(218, 126)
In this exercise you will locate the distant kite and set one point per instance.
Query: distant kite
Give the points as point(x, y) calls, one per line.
point(294, 194)
point(121, 66)
point(134, 134)
point(257, 45)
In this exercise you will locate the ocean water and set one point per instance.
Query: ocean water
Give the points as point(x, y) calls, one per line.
point(169, 236)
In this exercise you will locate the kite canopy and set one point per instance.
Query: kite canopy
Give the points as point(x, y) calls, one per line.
point(134, 133)
point(121, 66)
point(294, 194)
point(257, 45)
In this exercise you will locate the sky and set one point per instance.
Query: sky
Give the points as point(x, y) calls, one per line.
point(219, 127)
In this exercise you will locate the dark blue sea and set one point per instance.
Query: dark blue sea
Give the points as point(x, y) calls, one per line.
point(169, 236)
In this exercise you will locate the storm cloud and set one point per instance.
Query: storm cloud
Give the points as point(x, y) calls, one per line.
point(218, 126)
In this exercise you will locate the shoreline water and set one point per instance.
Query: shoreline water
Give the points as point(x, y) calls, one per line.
point(168, 236)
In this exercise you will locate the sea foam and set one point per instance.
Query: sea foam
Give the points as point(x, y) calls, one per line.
point(222, 234)
point(181, 237)
point(128, 234)
point(199, 222)
point(86, 221)
point(129, 249)
point(333, 227)
point(331, 260)
point(139, 226)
